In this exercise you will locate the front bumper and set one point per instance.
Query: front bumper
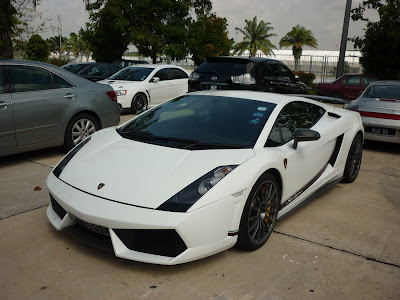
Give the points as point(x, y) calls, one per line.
point(142, 234)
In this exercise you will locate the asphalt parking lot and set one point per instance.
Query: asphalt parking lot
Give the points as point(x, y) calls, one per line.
point(343, 245)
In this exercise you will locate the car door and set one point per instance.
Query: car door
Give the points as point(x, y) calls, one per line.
point(162, 90)
point(282, 79)
point(179, 82)
point(42, 102)
point(7, 129)
point(350, 87)
point(305, 164)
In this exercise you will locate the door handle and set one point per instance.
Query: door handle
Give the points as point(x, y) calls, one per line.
point(4, 105)
point(70, 96)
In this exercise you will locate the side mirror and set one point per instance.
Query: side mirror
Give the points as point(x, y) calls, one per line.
point(304, 135)
point(155, 79)
point(296, 78)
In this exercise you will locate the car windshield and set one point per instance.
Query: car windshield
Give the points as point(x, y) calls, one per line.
point(132, 74)
point(384, 91)
point(196, 122)
point(74, 68)
point(225, 67)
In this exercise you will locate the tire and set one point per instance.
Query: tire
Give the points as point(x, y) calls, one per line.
point(80, 127)
point(259, 214)
point(354, 158)
point(139, 102)
point(337, 95)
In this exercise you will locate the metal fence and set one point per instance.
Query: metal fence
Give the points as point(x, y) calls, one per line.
point(323, 66)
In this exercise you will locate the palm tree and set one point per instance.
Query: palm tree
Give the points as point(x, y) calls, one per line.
point(298, 37)
point(256, 37)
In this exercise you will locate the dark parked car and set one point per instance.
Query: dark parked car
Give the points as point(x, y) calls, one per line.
point(346, 87)
point(123, 63)
point(92, 71)
point(45, 106)
point(245, 73)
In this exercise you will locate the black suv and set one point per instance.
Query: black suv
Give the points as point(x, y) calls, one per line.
point(245, 73)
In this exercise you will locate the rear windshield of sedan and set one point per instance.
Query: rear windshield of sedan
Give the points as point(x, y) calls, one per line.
point(132, 74)
point(74, 68)
point(226, 67)
point(196, 122)
point(384, 91)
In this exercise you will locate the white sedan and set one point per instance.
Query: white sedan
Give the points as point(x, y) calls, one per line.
point(141, 86)
point(202, 173)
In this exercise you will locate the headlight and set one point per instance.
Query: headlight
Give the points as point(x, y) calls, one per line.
point(184, 199)
point(60, 167)
point(194, 76)
point(121, 92)
point(243, 79)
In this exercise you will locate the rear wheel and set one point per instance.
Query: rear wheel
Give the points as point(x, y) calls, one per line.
point(139, 102)
point(353, 162)
point(337, 95)
point(80, 127)
point(260, 213)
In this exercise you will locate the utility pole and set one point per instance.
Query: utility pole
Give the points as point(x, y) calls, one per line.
point(345, 31)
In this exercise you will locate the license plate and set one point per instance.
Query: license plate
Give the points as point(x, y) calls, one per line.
point(380, 131)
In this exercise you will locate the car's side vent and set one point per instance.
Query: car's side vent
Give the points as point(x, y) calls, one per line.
point(333, 115)
point(335, 153)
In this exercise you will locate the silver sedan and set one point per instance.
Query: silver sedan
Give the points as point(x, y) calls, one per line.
point(379, 107)
point(45, 106)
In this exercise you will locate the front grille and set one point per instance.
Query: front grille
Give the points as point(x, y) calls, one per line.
point(93, 227)
point(57, 208)
point(164, 242)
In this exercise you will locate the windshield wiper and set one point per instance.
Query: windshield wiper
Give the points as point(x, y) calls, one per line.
point(136, 135)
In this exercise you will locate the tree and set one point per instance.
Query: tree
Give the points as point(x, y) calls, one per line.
point(380, 46)
point(208, 37)
point(8, 22)
point(256, 37)
point(161, 26)
point(298, 37)
point(54, 44)
point(37, 48)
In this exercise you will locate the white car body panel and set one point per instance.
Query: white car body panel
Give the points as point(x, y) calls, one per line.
point(139, 177)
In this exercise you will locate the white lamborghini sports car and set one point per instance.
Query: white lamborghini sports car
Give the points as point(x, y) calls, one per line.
point(202, 173)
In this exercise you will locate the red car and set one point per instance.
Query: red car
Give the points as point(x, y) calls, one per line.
point(346, 87)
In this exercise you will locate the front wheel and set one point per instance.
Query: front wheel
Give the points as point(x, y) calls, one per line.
point(353, 162)
point(260, 213)
point(80, 127)
point(337, 95)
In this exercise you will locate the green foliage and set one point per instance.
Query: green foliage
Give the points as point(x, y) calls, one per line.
point(380, 46)
point(297, 38)
point(108, 33)
point(54, 44)
point(256, 37)
point(58, 61)
point(306, 78)
point(208, 37)
point(37, 48)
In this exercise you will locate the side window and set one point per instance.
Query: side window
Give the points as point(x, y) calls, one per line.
point(285, 72)
point(275, 70)
point(29, 78)
point(114, 69)
point(60, 83)
point(366, 81)
point(179, 74)
point(261, 70)
point(293, 116)
point(1, 82)
point(353, 81)
point(96, 71)
point(162, 74)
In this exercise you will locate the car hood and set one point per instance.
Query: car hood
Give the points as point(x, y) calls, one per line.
point(138, 173)
point(120, 83)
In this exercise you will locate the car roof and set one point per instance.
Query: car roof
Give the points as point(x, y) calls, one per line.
point(386, 82)
point(239, 58)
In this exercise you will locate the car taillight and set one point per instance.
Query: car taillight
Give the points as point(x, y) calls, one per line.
point(112, 95)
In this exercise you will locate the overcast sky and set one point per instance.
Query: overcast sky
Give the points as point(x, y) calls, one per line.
point(323, 17)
